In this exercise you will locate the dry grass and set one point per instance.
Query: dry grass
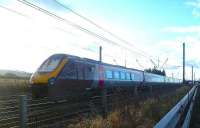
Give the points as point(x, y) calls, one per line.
point(144, 114)
point(5, 82)
point(11, 86)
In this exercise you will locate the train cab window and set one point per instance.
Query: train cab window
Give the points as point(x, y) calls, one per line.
point(132, 76)
point(109, 74)
point(123, 77)
point(116, 75)
point(128, 76)
point(50, 64)
point(69, 71)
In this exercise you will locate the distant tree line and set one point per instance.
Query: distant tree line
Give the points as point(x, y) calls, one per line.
point(156, 71)
point(13, 76)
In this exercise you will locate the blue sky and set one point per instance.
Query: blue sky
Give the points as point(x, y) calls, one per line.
point(155, 28)
point(142, 14)
point(146, 15)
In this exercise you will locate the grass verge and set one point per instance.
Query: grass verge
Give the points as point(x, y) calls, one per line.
point(11, 86)
point(143, 114)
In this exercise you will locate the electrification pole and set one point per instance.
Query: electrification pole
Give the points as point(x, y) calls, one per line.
point(192, 76)
point(100, 54)
point(183, 63)
point(103, 89)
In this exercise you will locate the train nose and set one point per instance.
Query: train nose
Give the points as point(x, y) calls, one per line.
point(31, 81)
point(52, 81)
point(39, 78)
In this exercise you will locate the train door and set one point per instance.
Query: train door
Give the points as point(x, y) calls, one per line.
point(89, 71)
point(81, 70)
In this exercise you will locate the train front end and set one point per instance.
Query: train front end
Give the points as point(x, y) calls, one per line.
point(46, 74)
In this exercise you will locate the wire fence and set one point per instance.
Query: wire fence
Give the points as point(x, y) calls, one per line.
point(24, 111)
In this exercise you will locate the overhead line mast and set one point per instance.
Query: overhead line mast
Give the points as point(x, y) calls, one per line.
point(183, 63)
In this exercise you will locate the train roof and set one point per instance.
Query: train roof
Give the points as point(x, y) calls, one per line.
point(106, 64)
point(97, 62)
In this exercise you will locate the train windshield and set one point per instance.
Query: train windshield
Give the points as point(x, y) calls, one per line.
point(50, 64)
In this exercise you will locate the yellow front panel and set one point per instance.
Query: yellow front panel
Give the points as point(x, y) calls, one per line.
point(42, 78)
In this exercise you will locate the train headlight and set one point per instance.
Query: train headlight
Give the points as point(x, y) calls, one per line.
point(51, 81)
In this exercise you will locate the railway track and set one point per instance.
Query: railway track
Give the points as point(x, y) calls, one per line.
point(46, 113)
point(43, 111)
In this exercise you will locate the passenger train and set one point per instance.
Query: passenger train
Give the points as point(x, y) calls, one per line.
point(62, 73)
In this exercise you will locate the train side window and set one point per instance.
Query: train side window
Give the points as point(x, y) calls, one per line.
point(123, 77)
point(128, 76)
point(132, 76)
point(109, 74)
point(116, 75)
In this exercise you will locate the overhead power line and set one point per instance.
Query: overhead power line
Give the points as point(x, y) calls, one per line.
point(139, 63)
point(86, 30)
point(77, 26)
point(13, 11)
point(105, 30)
point(164, 63)
point(98, 26)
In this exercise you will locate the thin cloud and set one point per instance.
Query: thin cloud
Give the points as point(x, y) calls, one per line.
point(186, 29)
point(195, 4)
point(196, 12)
point(193, 62)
